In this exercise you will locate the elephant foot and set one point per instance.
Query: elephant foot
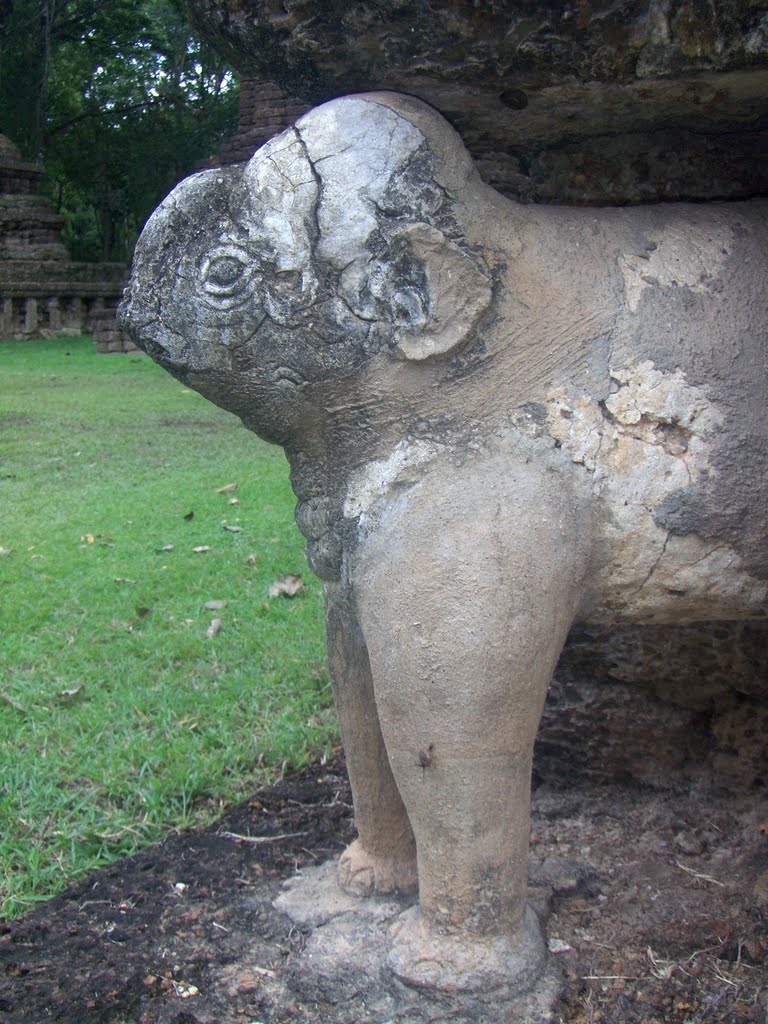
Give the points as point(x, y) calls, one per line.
point(425, 958)
point(363, 874)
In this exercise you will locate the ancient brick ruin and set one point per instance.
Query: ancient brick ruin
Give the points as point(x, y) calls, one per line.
point(265, 110)
point(43, 293)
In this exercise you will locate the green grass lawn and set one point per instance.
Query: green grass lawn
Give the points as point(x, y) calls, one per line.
point(120, 717)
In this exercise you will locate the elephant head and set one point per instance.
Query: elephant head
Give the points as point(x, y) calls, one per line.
point(274, 287)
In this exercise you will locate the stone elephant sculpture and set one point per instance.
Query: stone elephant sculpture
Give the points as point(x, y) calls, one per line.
point(501, 419)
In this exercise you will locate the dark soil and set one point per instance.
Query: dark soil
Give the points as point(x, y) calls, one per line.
point(658, 905)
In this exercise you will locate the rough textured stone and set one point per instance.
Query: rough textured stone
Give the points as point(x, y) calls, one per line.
point(501, 420)
point(348, 954)
point(595, 102)
point(668, 706)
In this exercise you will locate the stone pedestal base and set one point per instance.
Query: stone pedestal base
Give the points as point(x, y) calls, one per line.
point(424, 958)
point(364, 948)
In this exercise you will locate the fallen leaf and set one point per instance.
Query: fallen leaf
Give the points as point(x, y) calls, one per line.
point(167, 547)
point(215, 606)
point(287, 586)
point(189, 516)
point(87, 538)
point(227, 489)
point(233, 501)
point(233, 529)
point(70, 694)
point(202, 547)
point(213, 629)
point(5, 551)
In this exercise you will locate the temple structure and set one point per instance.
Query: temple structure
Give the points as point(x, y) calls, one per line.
point(43, 292)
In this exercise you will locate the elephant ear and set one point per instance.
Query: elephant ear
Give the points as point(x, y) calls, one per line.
point(457, 295)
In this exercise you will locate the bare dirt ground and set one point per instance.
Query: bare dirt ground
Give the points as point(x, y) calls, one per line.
point(657, 909)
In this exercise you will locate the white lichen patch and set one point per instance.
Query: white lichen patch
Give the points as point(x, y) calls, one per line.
point(679, 258)
point(649, 409)
point(650, 438)
point(374, 479)
point(578, 423)
point(648, 398)
point(282, 178)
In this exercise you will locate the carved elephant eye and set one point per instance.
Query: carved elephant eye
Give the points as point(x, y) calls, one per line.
point(225, 274)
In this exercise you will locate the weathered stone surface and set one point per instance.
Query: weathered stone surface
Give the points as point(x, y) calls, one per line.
point(349, 953)
point(666, 705)
point(528, 44)
point(584, 103)
point(725, 656)
point(501, 420)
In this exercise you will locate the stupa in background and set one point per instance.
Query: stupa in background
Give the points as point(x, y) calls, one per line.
point(43, 293)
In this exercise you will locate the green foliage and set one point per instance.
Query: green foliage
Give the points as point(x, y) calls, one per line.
point(82, 232)
point(120, 100)
point(120, 717)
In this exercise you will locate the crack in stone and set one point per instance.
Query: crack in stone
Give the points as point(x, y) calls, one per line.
point(314, 241)
point(251, 336)
point(655, 565)
point(706, 555)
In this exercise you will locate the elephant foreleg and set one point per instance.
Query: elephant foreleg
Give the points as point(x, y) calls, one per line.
point(464, 620)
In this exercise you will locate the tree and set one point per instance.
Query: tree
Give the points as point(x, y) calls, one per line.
point(120, 100)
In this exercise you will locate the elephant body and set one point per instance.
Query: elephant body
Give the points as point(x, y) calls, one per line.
point(500, 420)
